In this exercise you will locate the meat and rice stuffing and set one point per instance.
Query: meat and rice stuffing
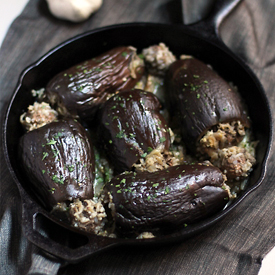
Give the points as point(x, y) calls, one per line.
point(38, 115)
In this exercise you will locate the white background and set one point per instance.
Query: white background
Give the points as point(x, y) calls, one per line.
point(9, 10)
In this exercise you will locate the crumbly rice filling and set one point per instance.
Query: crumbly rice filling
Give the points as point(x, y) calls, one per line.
point(158, 159)
point(158, 58)
point(38, 115)
point(88, 215)
point(226, 135)
point(235, 162)
point(229, 149)
point(145, 235)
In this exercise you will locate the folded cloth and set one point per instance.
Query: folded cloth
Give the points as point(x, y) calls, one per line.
point(235, 245)
point(195, 10)
point(42, 264)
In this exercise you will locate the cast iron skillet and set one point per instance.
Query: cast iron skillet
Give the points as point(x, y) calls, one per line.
point(200, 40)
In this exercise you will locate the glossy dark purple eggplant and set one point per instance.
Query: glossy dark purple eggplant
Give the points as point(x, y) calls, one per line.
point(167, 199)
point(201, 99)
point(80, 89)
point(130, 126)
point(58, 160)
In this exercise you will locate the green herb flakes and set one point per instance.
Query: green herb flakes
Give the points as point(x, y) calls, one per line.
point(167, 190)
point(45, 154)
point(144, 155)
point(71, 168)
point(56, 179)
point(52, 142)
point(52, 190)
point(120, 134)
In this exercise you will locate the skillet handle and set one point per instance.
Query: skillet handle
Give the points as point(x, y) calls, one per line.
point(209, 27)
point(59, 242)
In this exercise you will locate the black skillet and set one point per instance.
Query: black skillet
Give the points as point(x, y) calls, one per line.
point(200, 40)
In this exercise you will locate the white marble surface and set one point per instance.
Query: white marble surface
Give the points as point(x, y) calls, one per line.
point(9, 10)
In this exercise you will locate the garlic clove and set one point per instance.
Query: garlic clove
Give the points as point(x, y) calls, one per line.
point(73, 10)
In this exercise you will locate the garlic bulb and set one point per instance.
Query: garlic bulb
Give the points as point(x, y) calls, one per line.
point(73, 10)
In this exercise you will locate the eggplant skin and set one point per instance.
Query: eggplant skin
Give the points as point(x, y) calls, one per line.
point(168, 199)
point(58, 160)
point(130, 126)
point(201, 99)
point(83, 87)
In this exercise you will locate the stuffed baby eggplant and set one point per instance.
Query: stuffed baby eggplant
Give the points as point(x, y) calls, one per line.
point(168, 199)
point(130, 127)
point(131, 176)
point(201, 100)
point(79, 90)
point(58, 160)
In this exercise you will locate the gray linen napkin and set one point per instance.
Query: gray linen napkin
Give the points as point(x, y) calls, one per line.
point(43, 265)
point(195, 10)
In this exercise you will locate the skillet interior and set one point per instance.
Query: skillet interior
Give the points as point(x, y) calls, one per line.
point(180, 40)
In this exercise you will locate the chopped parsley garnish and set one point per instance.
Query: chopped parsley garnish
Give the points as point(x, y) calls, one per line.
point(45, 154)
point(56, 179)
point(120, 134)
point(144, 155)
point(167, 190)
point(52, 142)
point(52, 190)
point(71, 168)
